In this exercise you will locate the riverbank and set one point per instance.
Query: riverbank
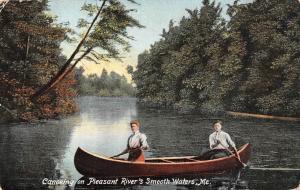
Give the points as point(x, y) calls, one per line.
point(212, 110)
point(11, 116)
point(219, 112)
point(102, 126)
point(262, 116)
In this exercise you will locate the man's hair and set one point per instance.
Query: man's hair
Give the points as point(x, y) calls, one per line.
point(218, 121)
point(135, 122)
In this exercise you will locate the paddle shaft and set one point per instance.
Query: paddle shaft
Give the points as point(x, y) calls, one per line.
point(128, 151)
point(237, 157)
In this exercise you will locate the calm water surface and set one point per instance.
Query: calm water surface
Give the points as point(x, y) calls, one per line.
point(31, 152)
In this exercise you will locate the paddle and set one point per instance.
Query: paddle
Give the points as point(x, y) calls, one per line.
point(125, 152)
point(118, 155)
point(238, 159)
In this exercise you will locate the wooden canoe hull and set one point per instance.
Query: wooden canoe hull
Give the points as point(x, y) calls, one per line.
point(90, 164)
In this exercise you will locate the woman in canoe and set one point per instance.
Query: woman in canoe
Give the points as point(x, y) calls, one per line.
point(136, 143)
point(219, 143)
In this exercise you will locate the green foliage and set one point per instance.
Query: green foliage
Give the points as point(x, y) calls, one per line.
point(109, 37)
point(29, 56)
point(113, 84)
point(249, 63)
point(104, 93)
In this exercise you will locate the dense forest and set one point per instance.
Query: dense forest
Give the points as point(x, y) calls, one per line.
point(36, 80)
point(30, 55)
point(247, 63)
point(107, 84)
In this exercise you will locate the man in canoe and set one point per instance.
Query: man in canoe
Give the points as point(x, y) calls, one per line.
point(220, 142)
point(136, 143)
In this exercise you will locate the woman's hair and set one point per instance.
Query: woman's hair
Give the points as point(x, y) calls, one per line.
point(135, 122)
point(218, 121)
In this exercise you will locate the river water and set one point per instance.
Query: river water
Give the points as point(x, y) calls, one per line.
point(29, 153)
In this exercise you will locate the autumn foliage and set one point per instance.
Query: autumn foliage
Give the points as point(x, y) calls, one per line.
point(30, 55)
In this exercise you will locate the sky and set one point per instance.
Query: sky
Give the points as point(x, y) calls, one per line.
point(155, 15)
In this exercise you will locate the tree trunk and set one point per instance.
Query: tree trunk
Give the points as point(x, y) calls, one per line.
point(64, 70)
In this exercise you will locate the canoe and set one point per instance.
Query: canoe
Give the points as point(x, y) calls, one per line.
point(90, 164)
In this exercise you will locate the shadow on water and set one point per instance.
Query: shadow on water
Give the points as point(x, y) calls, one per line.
point(225, 179)
point(244, 179)
point(31, 152)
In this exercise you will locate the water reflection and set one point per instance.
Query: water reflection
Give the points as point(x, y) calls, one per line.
point(221, 180)
point(29, 153)
point(244, 179)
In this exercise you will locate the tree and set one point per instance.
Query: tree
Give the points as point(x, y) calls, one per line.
point(248, 64)
point(271, 82)
point(111, 84)
point(203, 53)
point(180, 59)
point(105, 41)
point(29, 56)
